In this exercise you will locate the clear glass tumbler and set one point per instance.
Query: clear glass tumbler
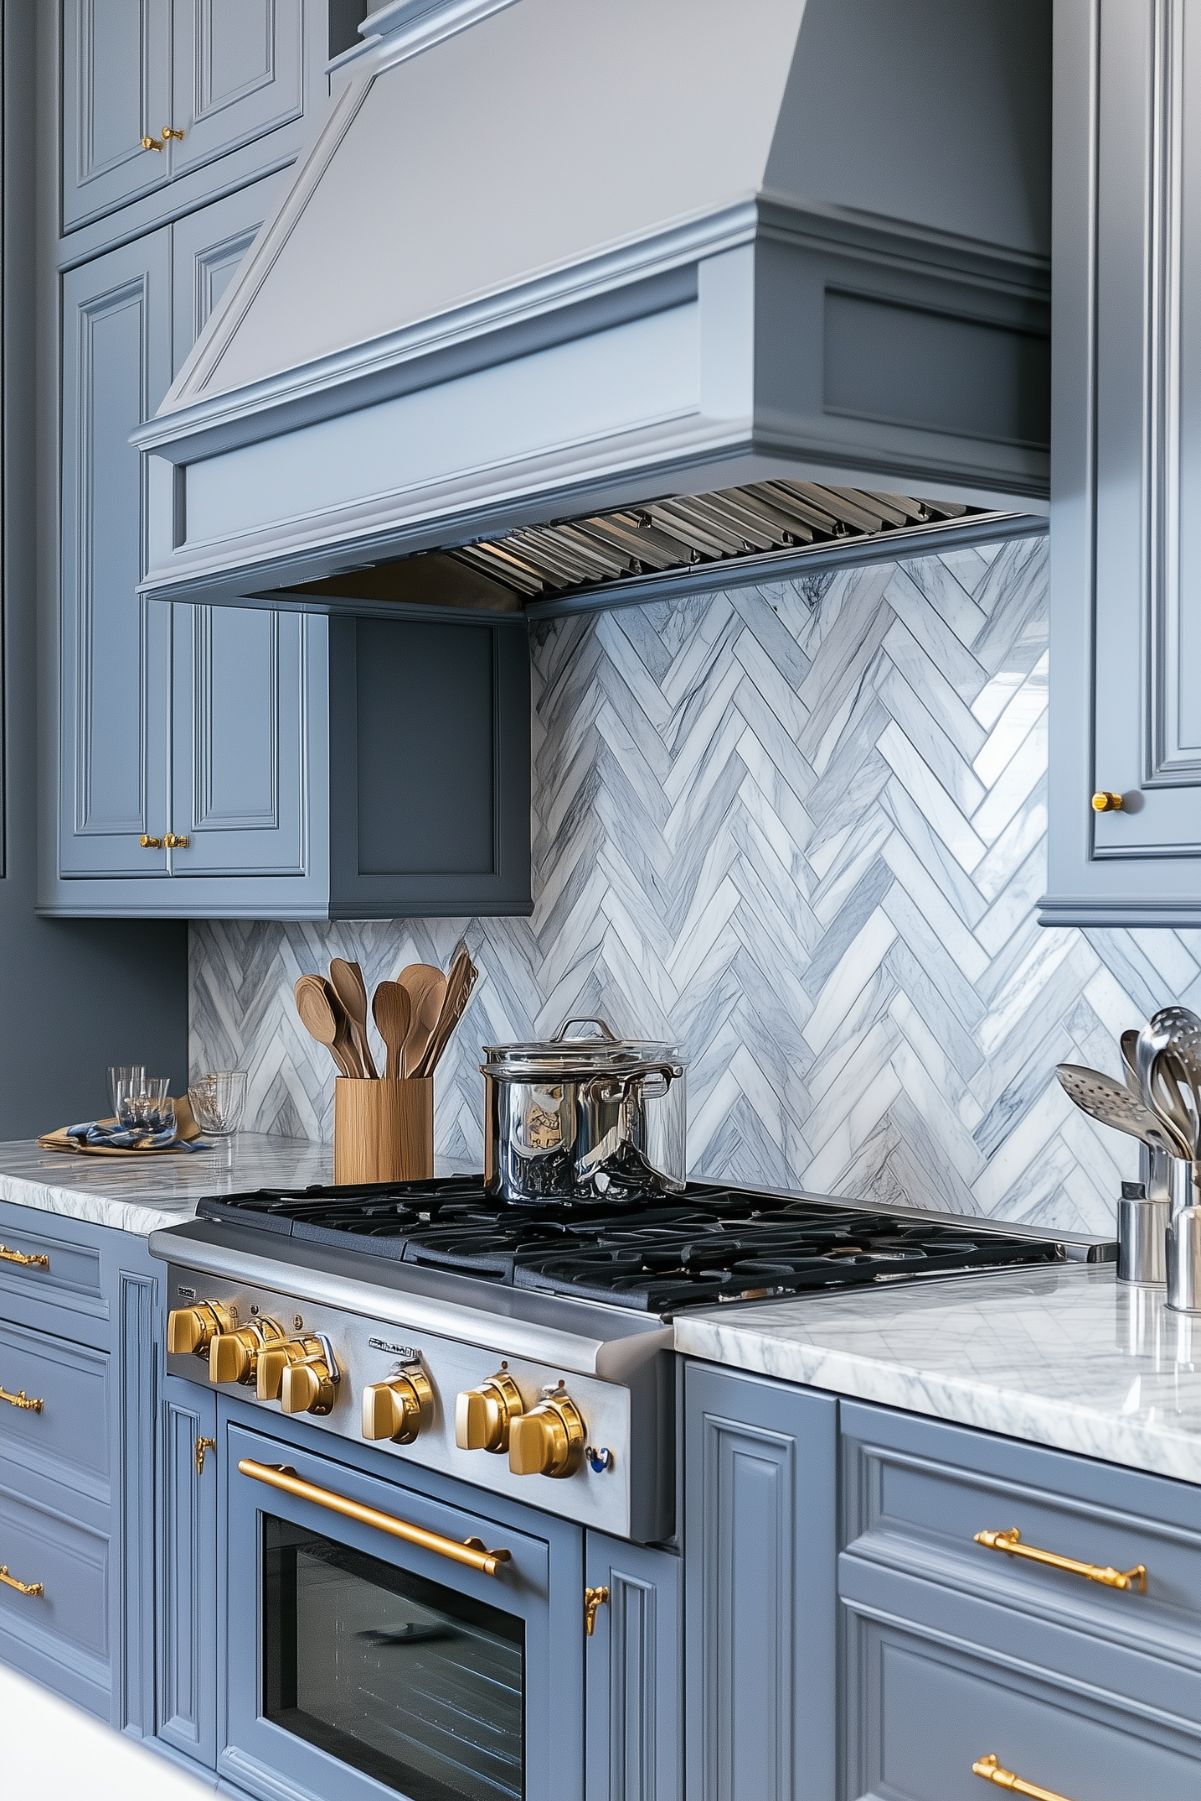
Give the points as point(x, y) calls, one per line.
point(218, 1100)
point(127, 1076)
point(145, 1105)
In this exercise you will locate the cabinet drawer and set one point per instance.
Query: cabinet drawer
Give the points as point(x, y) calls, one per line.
point(68, 1558)
point(929, 1707)
point(916, 1493)
point(54, 1409)
point(71, 1274)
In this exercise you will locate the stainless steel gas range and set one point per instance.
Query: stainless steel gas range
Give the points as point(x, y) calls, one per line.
point(433, 1413)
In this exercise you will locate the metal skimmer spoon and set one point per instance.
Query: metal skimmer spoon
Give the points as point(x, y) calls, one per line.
point(1113, 1104)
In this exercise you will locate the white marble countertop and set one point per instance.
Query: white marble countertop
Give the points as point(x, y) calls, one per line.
point(1066, 1357)
point(143, 1193)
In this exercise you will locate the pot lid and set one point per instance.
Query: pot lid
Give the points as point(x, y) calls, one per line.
point(571, 1050)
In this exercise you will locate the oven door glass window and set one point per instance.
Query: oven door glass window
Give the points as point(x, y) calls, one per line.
point(405, 1680)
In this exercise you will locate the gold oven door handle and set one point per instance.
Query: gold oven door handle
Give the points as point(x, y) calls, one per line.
point(22, 1588)
point(470, 1552)
point(22, 1402)
point(24, 1259)
point(1010, 1542)
point(990, 1769)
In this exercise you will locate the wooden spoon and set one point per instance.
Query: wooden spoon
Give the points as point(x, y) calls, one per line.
point(351, 990)
point(323, 1018)
point(459, 985)
point(427, 990)
point(393, 1013)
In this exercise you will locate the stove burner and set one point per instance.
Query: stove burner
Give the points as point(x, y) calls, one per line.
point(703, 1246)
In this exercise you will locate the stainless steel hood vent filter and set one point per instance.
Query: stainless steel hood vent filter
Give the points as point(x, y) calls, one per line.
point(663, 536)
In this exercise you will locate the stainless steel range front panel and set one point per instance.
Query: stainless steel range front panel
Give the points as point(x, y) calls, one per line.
point(623, 1488)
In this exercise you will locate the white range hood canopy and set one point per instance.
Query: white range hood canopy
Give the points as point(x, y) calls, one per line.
point(554, 256)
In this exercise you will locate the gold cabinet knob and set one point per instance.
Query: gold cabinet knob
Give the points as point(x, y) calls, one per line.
point(192, 1329)
point(1105, 801)
point(398, 1409)
point(309, 1386)
point(149, 143)
point(149, 843)
point(170, 132)
point(234, 1356)
point(275, 1358)
point(484, 1416)
point(176, 841)
point(549, 1440)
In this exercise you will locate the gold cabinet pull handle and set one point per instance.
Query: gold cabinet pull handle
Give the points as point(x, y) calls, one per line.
point(170, 132)
point(594, 1600)
point(1010, 1543)
point(22, 1588)
point(149, 843)
point(990, 1769)
point(149, 143)
point(175, 840)
point(24, 1259)
point(471, 1552)
point(1106, 801)
point(22, 1402)
point(202, 1447)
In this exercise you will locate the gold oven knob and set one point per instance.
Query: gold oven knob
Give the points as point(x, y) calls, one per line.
point(309, 1385)
point(192, 1329)
point(484, 1415)
point(549, 1440)
point(234, 1356)
point(400, 1408)
point(275, 1358)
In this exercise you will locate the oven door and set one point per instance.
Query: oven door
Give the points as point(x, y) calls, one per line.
point(381, 1643)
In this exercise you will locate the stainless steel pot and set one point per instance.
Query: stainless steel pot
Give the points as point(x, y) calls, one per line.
point(583, 1118)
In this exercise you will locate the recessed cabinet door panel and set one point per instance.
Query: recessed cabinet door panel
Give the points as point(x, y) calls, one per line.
point(239, 72)
point(239, 723)
point(634, 1700)
point(115, 647)
point(185, 1715)
point(1147, 722)
point(116, 88)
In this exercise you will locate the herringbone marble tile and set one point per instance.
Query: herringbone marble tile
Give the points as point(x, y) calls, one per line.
point(801, 829)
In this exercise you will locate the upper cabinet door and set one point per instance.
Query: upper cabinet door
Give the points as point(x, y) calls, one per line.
point(240, 724)
point(116, 90)
point(1126, 512)
point(238, 72)
point(114, 650)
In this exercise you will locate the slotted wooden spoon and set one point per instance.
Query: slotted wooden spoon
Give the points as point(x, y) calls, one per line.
point(393, 1011)
point(323, 1018)
point(351, 990)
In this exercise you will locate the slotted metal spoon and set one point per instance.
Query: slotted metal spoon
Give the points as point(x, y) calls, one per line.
point(1168, 1060)
point(1113, 1104)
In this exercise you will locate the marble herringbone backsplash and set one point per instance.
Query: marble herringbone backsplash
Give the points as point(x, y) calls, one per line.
point(801, 828)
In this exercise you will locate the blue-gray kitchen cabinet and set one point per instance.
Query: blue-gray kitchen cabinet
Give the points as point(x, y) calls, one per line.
point(186, 1623)
point(79, 1333)
point(1125, 692)
point(218, 75)
point(759, 1535)
point(633, 1670)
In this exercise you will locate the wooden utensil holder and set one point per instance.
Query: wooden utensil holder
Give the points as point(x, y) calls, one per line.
point(383, 1131)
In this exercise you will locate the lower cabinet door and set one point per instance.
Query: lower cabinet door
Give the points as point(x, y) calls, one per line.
point(634, 1732)
point(186, 1682)
point(760, 1490)
point(934, 1718)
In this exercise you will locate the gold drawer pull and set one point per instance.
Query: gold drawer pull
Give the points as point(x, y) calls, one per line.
point(1011, 1543)
point(176, 841)
point(471, 1552)
point(24, 1259)
point(23, 1402)
point(990, 1769)
point(22, 1588)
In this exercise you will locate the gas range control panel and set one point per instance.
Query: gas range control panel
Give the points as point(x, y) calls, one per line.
point(442, 1403)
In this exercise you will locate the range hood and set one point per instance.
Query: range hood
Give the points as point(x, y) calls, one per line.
point(658, 263)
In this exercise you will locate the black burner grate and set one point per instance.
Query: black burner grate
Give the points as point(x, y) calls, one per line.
point(706, 1245)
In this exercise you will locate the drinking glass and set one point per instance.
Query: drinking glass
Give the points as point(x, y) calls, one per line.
point(217, 1101)
point(129, 1076)
point(145, 1105)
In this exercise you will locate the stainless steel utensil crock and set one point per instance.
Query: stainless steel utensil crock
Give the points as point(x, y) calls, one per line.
point(583, 1118)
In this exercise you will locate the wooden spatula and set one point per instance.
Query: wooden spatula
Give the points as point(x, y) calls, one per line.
point(459, 985)
point(351, 990)
point(426, 988)
point(323, 1018)
point(393, 1012)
